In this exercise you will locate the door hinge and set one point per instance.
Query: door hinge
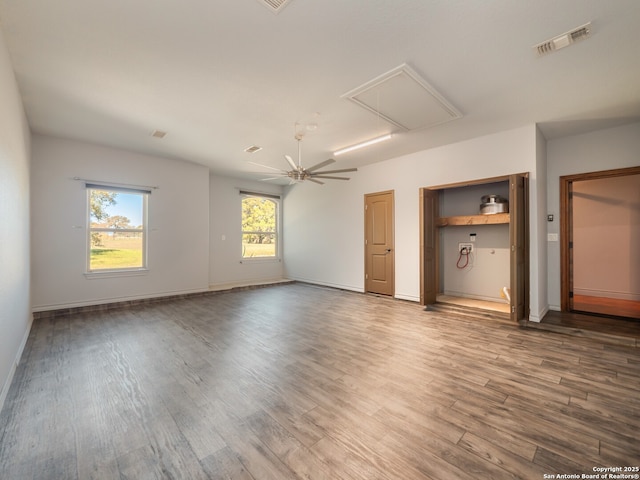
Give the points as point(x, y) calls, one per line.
point(570, 244)
point(570, 294)
point(366, 276)
point(513, 309)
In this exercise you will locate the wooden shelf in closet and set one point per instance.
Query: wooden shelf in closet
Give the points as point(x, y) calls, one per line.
point(493, 219)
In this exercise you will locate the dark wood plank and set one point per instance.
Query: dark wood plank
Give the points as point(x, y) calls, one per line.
point(299, 381)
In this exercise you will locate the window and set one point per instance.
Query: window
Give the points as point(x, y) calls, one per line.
point(117, 228)
point(259, 225)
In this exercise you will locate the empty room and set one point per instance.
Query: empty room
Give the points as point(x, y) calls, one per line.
point(286, 239)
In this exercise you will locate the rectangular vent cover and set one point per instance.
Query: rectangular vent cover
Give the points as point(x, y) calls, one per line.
point(274, 5)
point(403, 98)
point(564, 40)
point(158, 134)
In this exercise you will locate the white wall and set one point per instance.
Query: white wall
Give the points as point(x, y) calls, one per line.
point(15, 315)
point(324, 225)
point(178, 243)
point(607, 149)
point(226, 266)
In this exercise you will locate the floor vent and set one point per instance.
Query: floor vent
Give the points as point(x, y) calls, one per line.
point(274, 5)
point(564, 40)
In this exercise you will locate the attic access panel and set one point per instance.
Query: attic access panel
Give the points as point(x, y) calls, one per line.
point(403, 98)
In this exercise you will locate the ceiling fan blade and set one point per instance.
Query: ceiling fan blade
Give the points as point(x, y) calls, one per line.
point(338, 171)
point(331, 178)
point(320, 165)
point(266, 166)
point(315, 181)
point(291, 162)
point(271, 178)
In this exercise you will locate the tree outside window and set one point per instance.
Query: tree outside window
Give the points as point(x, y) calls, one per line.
point(259, 227)
point(116, 229)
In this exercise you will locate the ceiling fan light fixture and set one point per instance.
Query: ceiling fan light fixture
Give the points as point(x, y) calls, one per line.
point(363, 144)
point(299, 174)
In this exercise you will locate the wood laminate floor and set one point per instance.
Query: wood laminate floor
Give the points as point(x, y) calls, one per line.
point(501, 307)
point(297, 381)
point(607, 306)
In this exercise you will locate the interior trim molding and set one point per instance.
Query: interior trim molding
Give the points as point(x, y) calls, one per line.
point(9, 380)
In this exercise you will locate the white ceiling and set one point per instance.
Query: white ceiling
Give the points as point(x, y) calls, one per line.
point(220, 76)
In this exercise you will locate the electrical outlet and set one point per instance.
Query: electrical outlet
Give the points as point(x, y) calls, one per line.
point(468, 246)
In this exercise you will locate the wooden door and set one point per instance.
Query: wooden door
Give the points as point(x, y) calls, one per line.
point(518, 241)
point(428, 246)
point(379, 243)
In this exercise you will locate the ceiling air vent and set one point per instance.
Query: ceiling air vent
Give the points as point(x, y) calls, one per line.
point(274, 5)
point(564, 40)
point(253, 149)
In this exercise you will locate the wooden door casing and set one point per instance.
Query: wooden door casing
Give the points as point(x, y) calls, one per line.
point(518, 241)
point(429, 237)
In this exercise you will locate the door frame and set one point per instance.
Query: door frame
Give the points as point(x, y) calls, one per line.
point(393, 238)
point(566, 226)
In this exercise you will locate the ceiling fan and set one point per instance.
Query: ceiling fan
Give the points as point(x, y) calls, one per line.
point(299, 174)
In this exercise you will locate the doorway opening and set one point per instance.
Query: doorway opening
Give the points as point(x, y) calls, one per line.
point(600, 235)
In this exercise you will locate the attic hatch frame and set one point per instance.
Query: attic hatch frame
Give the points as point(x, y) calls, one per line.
point(403, 98)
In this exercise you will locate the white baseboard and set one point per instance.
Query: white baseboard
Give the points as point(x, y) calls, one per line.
point(216, 287)
point(538, 318)
point(474, 297)
point(106, 301)
point(410, 298)
point(328, 284)
point(16, 362)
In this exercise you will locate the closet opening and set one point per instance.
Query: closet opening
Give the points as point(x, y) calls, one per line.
point(474, 245)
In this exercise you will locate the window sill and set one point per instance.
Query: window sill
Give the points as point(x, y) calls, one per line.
point(260, 260)
point(116, 273)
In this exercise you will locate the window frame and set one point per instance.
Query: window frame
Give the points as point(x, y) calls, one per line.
point(277, 233)
point(123, 271)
